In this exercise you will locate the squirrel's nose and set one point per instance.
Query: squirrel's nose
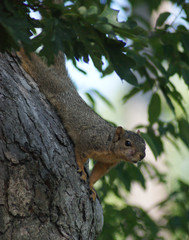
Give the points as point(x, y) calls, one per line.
point(142, 155)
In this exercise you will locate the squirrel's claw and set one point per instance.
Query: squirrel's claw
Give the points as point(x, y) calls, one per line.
point(93, 194)
point(83, 174)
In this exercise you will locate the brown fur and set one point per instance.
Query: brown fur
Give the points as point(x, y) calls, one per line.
point(93, 136)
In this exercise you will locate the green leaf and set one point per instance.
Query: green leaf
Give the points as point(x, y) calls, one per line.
point(140, 60)
point(91, 100)
point(129, 95)
point(150, 143)
point(165, 92)
point(108, 70)
point(171, 129)
point(162, 18)
point(154, 108)
point(177, 97)
point(110, 15)
point(82, 10)
point(154, 142)
point(186, 9)
point(185, 74)
point(93, 10)
point(104, 27)
point(129, 173)
point(96, 61)
point(184, 130)
point(158, 65)
point(104, 99)
point(121, 62)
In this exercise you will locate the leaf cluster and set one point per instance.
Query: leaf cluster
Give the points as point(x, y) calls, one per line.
point(79, 29)
point(167, 55)
point(132, 221)
point(125, 220)
point(177, 218)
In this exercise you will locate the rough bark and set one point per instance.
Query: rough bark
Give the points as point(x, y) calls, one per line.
point(41, 194)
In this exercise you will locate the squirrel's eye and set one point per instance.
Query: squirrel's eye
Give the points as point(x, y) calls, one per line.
point(128, 143)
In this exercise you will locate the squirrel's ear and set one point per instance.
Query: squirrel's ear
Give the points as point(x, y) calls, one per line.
point(119, 132)
point(138, 132)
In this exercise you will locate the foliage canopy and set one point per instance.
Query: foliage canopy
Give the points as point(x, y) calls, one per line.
point(147, 57)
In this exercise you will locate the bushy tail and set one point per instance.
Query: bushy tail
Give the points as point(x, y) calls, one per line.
point(53, 79)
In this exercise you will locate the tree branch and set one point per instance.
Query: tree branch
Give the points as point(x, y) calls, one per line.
point(41, 194)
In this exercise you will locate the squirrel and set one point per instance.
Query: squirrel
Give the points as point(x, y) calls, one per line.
point(93, 137)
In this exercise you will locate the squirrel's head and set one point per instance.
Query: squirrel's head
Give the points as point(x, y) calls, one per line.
point(128, 146)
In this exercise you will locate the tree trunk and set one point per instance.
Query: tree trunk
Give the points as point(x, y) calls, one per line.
point(41, 194)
